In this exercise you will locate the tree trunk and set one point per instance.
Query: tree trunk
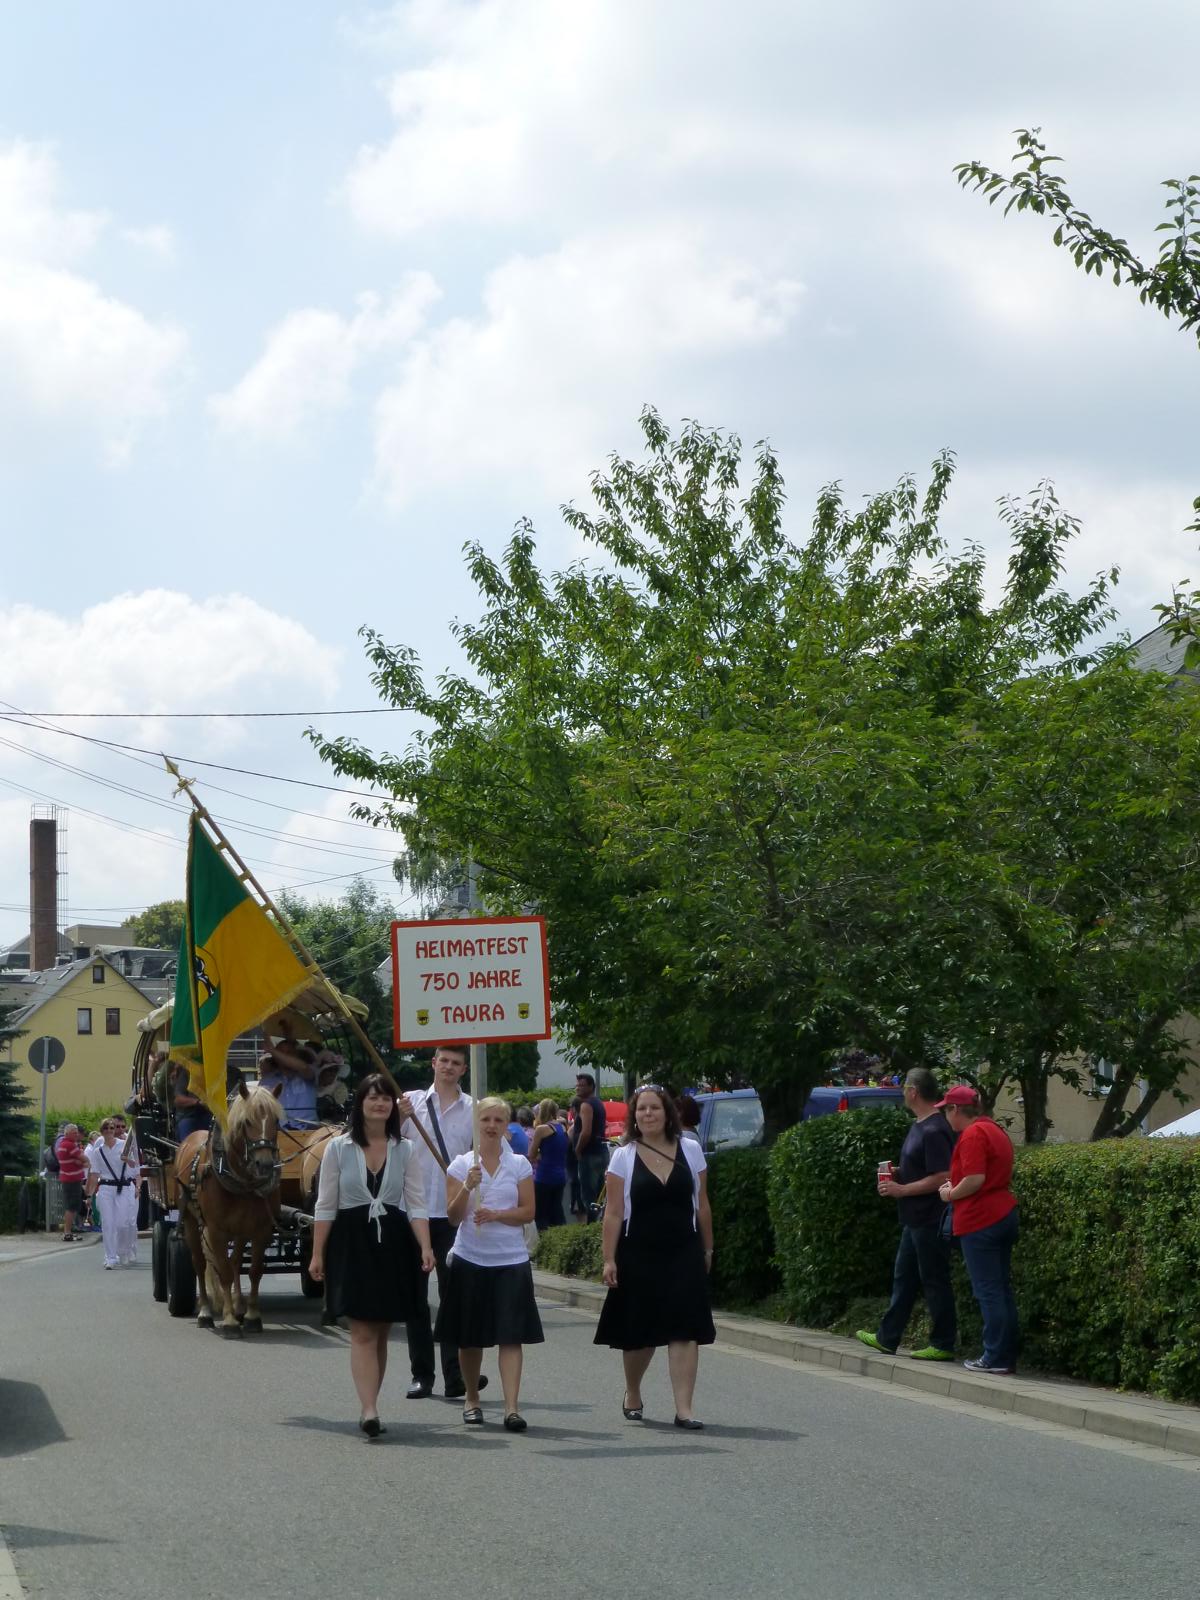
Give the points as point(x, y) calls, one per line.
point(783, 1100)
point(1034, 1086)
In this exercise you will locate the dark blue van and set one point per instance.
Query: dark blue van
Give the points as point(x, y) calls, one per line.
point(732, 1119)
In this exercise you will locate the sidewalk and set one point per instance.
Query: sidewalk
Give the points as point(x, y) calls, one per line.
point(25, 1246)
point(1143, 1419)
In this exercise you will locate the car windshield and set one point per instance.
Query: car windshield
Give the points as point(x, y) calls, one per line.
point(736, 1124)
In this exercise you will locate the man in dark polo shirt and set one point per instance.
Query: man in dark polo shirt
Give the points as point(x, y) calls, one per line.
point(923, 1259)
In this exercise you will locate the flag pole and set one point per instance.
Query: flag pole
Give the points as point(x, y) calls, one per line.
point(297, 944)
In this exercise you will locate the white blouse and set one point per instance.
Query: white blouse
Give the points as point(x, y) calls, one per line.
point(621, 1165)
point(492, 1244)
point(343, 1181)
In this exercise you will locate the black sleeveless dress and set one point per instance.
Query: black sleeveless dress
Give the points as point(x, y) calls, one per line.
point(371, 1266)
point(662, 1287)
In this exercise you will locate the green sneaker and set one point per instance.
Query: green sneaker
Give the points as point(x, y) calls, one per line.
point(872, 1342)
point(932, 1353)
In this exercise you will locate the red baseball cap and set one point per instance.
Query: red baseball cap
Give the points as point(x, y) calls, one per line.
point(961, 1094)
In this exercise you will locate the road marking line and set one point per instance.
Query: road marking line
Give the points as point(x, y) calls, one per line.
point(10, 1584)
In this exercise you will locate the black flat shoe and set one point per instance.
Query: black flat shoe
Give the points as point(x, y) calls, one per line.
point(418, 1389)
point(630, 1413)
point(692, 1424)
point(473, 1416)
point(515, 1422)
point(371, 1426)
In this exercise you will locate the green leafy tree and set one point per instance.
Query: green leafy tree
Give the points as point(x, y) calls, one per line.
point(18, 1127)
point(349, 938)
point(512, 1066)
point(736, 772)
point(159, 926)
point(1170, 284)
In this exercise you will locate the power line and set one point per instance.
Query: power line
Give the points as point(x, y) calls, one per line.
point(194, 761)
point(152, 716)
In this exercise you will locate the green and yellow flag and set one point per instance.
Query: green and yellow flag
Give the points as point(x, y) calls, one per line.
point(235, 969)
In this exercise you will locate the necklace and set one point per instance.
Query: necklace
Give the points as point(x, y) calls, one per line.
point(665, 1154)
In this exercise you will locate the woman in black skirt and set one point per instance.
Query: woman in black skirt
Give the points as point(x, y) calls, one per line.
point(370, 1235)
point(489, 1297)
point(657, 1252)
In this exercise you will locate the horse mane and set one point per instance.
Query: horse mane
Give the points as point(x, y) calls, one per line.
point(259, 1098)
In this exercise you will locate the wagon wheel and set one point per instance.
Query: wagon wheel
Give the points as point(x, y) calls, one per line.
point(160, 1238)
point(309, 1287)
point(181, 1276)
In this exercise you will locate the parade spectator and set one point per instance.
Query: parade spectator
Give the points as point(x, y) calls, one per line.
point(113, 1179)
point(72, 1171)
point(588, 1140)
point(518, 1131)
point(548, 1153)
point(445, 1113)
point(985, 1221)
point(689, 1117)
point(658, 1250)
point(923, 1256)
point(369, 1230)
point(489, 1295)
point(567, 1118)
point(289, 1069)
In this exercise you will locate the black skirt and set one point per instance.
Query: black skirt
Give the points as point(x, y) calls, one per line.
point(486, 1306)
point(662, 1286)
point(371, 1272)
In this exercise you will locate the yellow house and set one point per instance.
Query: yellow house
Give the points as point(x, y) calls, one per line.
point(93, 1011)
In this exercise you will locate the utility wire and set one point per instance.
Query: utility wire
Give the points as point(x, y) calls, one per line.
point(153, 716)
point(193, 761)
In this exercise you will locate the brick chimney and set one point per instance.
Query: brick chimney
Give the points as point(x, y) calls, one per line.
point(43, 894)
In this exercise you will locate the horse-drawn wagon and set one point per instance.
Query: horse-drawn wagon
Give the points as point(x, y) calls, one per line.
point(259, 1176)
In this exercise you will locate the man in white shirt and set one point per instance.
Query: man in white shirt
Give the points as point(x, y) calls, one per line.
point(447, 1116)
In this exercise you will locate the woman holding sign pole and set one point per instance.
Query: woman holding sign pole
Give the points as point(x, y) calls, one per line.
point(489, 1293)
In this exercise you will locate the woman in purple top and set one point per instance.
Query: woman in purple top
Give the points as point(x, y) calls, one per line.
point(548, 1153)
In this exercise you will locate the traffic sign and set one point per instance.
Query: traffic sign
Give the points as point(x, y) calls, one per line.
point(47, 1054)
point(470, 979)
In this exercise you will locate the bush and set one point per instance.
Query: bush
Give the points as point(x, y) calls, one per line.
point(575, 1251)
point(835, 1238)
point(1107, 1267)
point(10, 1203)
point(744, 1268)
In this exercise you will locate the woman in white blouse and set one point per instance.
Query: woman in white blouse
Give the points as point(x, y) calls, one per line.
point(489, 1297)
point(370, 1222)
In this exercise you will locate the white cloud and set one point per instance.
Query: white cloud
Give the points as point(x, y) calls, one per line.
point(70, 354)
point(306, 368)
point(568, 347)
point(159, 649)
point(156, 240)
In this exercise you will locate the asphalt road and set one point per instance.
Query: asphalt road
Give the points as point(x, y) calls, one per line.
point(142, 1457)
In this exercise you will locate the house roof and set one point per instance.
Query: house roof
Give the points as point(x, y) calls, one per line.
point(1154, 652)
point(41, 987)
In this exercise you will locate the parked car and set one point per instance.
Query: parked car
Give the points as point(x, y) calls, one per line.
point(732, 1119)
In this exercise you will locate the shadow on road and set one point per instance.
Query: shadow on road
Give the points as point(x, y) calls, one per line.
point(30, 1418)
point(422, 1435)
point(21, 1538)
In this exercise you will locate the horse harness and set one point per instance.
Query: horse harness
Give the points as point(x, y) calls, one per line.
point(226, 1174)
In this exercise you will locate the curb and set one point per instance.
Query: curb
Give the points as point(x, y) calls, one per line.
point(10, 1584)
point(1137, 1418)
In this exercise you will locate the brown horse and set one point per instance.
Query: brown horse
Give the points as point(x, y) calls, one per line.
point(229, 1197)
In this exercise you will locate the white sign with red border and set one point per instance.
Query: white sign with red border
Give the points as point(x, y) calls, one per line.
point(470, 979)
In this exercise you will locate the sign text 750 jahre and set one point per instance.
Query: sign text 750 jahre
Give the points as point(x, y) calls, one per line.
point(470, 979)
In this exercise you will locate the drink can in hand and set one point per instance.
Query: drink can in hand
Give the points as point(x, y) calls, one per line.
point(884, 1172)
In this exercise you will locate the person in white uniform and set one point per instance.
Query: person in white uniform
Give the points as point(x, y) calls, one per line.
point(113, 1178)
point(129, 1197)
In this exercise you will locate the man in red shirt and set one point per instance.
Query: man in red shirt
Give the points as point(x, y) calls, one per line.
point(985, 1222)
point(72, 1170)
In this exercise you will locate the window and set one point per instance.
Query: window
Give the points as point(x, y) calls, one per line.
point(98, 972)
point(112, 1019)
point(83, 1019)
point(736, 1124)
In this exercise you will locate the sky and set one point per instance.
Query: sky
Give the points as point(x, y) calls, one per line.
point(296, 300)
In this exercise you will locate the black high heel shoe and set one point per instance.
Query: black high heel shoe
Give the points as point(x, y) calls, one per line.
point(630, 1413)
point(692, 1424)
point(371, 1426)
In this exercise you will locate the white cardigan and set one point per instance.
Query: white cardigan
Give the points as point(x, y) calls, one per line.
point(621, 1165)
point(343, 1181)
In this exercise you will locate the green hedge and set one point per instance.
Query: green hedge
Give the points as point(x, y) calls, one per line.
point(744, 1267)
point(1107, 1267)
point(10, 1203)
point(575, 1251)
point(835, 1238)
